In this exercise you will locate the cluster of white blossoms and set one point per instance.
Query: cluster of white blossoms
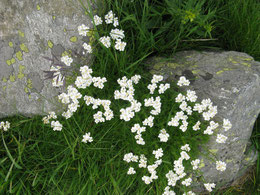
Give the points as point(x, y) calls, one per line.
point(164, 136)
point(4, 125)
point(138, 130)
point(55, 125)
point(71, 99)
point(162, 87)
point(98, 117)
point(155, 103)
point(178, 171)
point(195, 164)
point(116, 35)
point(183, 81)
point(127, 93)
point(175, 121)
point(209, 186)
point(87, 138)
point(221, 166)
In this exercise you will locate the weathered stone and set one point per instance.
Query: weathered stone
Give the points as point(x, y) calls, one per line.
point(30, 31)
point(231, 81)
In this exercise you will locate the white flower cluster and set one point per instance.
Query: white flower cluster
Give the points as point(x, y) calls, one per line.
point(87, 47)
point(221, 166)
point(87, 138)
point(70, 98)
point(195, 164)
point(152, 168)
point(196, 127)
point(4, 125)
point(167, 191)
point(148, 121)
point(108, 114)
point(115, 34)
point(162, 87)
point(56, 125)
point(209, 186)
point(163, 135)
point(138, 130)
point(220, 137)
point(175, 121)
point(212, 126)
point(179, 170)
point(183, 81)
point(155, 103)
point(66, 60)
point(51, 115)
point(130, 157)
point(127, 93)
point(110, 18)
point(83, 30)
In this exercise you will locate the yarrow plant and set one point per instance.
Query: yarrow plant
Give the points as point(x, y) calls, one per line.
point(142, 123)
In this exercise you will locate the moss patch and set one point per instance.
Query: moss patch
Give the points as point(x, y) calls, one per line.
point(50, 44)
point(24, 48)
point(73, 39)
point(20, 74)
point(21, 34)
point(12, 78)
point(19, 55)
point(11, 44)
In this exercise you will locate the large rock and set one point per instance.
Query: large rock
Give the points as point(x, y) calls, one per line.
point(29, 31)
point(231, 81)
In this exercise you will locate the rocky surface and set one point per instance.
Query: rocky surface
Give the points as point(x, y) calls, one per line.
point(30, 31)
point(231, 80)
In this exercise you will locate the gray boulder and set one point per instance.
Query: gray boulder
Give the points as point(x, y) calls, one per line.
point(30, 31)
point(231, 80)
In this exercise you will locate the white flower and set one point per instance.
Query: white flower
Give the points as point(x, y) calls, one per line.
point(87, 47)
point(66, 60)
point(83, 29)
point(167, 191)
point(56, 125)
point(131, 171)
point(109, 17)
point(152, 87)
point(136, 79)
point(163, 88)
point(142, 161)
point(115, 24)
point(147, 180)
point(195, 164)
point(221, 138)
point(186, 182)
point(97, 20)
point(67, 114)
point(65, 99)
point(226, 124)
point(180, 98)
point(105, 41)
point(98, 117)
point(163, 135)
point(191, 96)
point(120, 45)
point(209, 186)
point(87, 138)
point(5, 125)
point(183, 81)
point(128, 157)
point(196, 126)
point(186, 147)
point(148, 121)
point(189, 193)
point(220, 166)
point(158, 153)
point(116, 34)
point(184, 155)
